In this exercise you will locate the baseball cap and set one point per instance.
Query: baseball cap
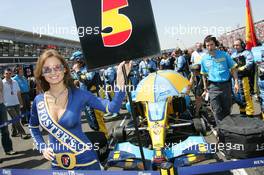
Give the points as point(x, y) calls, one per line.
point(78, 55)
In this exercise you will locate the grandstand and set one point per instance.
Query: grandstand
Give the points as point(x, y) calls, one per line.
point(17, 46)
point(228, 38)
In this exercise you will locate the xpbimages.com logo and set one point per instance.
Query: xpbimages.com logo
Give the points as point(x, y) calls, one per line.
point(62, 147)
point(65, 30)
point(187, 30)
point(207, 147)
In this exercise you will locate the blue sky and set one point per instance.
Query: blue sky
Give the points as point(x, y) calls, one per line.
point(179, 23)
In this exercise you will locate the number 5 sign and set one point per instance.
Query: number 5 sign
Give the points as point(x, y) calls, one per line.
point(111, 31)
point(120, 24)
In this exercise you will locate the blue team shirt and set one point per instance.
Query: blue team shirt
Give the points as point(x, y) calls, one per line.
point(85, 75)
point(180, 63)
point(22, 83)
point(217, 67)
point(258, 53)
point(165, 63)
point(248, 55)
point(145, 66)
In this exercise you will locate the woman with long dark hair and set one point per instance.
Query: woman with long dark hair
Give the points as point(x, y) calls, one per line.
point(58, 110)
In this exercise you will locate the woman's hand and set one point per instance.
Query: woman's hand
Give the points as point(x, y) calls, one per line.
point(120, 80)
point(48, 154)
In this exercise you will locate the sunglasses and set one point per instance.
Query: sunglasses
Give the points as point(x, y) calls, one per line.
point(56, 68)
point(8, 73)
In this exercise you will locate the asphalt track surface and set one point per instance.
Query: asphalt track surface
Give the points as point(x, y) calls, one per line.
point(27, 158)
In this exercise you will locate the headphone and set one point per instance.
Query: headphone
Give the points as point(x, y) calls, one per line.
point(210, 38)
point(242, 43)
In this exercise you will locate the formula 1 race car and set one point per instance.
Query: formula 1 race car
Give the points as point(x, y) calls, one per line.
point(163, 120)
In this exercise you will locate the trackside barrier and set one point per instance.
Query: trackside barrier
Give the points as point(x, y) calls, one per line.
point(14, 120)
point(79, 172)
point(221, 166)
point(188, 170)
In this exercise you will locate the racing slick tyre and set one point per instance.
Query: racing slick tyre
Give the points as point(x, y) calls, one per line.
point(119, 134)
point(199, 125)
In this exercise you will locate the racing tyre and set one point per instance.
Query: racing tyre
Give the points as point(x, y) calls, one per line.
point(119, 134)
point(199, 125)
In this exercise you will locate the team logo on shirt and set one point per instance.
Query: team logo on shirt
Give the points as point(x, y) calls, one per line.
point(208, 63)
point(219, 60)
point(65, 160)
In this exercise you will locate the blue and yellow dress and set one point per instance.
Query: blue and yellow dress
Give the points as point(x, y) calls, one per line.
point(73, 150)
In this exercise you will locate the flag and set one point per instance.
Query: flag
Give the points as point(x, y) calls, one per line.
point(251, 40)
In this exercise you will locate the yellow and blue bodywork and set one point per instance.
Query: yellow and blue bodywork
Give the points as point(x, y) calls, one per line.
point(191, 150)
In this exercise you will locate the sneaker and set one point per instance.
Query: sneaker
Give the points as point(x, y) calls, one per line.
point(123, 106)
point(112, 116)
point(25, 124)
point(107, 114)
point(15, 135)
point(10, 152)
point(215, 133)
point(26, 136)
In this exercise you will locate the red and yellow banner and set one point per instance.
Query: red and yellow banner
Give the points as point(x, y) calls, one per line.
point(251, 40)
